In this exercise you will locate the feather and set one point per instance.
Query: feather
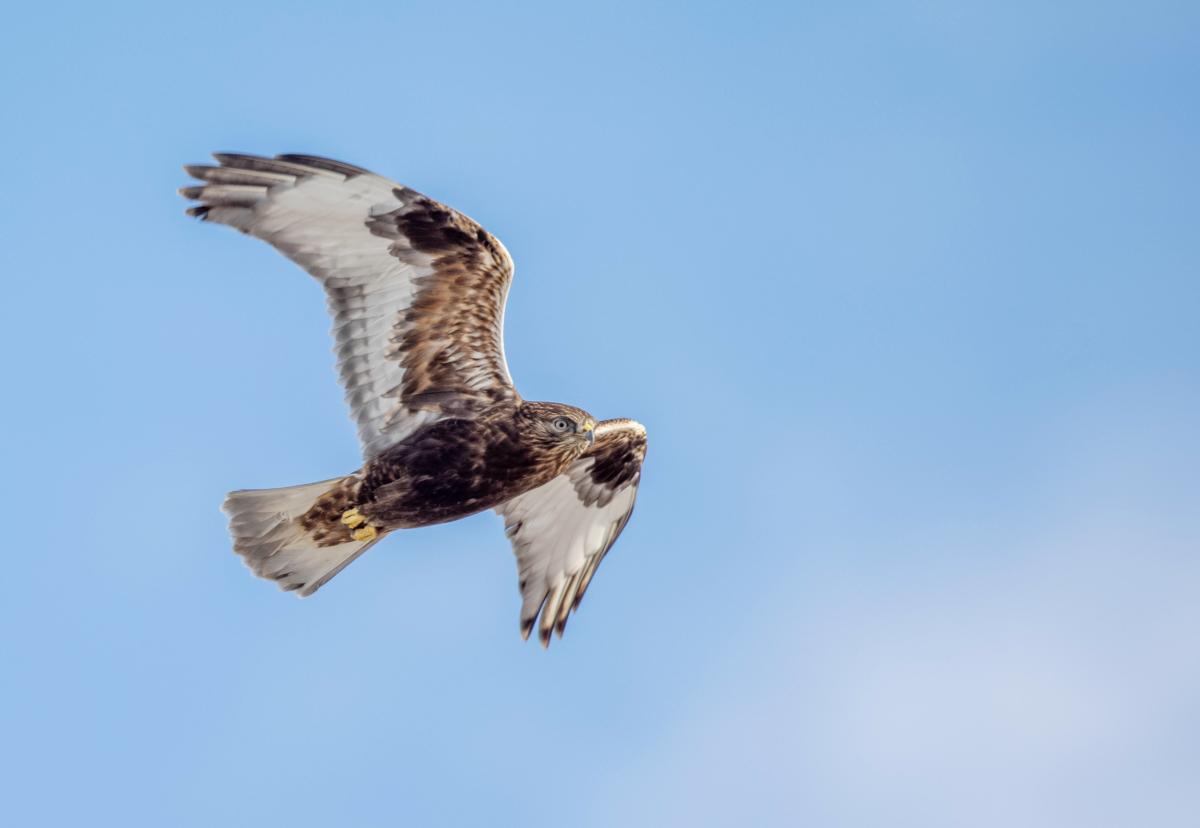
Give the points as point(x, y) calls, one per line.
point(273, 541)
point(561, 530)
point(416, 290)
point(348, 170)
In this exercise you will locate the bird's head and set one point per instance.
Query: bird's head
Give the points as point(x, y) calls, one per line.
point(558, 428)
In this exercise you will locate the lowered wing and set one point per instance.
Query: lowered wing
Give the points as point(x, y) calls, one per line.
point(561, 530)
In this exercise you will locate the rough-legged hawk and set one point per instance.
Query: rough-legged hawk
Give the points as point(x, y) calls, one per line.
point(417, 292)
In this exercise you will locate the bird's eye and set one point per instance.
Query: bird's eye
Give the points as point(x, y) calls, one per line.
point(562, 424)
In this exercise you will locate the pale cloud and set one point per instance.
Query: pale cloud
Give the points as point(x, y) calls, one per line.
point(1049, 677)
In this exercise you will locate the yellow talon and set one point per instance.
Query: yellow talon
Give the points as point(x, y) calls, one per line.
point(353, 518)
point(367, 533)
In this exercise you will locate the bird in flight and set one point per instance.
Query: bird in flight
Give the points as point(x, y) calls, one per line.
point(417, 291)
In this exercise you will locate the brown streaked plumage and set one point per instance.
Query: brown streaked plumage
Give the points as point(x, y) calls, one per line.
point(417, 293)
point(562, 529)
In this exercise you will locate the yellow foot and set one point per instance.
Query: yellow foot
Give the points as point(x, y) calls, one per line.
point(363, 531)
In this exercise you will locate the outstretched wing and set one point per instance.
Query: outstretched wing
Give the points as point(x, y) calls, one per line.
point(561, 530)
point(416, 290)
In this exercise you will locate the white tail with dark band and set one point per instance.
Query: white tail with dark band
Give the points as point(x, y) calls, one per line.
point(267, 533)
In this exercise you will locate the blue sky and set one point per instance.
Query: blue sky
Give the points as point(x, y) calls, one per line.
point(906, 294)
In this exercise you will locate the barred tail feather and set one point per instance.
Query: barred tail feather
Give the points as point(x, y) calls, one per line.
point(267, 533)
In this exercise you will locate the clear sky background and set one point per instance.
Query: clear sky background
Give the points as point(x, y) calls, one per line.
point(907, 295)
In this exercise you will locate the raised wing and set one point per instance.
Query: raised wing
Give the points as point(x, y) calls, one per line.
point(416, 290)
point(561, 530)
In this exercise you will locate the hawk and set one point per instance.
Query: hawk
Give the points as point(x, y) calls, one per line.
point(417, 291)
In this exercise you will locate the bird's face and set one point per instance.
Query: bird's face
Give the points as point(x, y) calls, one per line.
point(561, 426)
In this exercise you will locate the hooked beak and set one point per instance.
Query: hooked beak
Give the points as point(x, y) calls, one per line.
point(589, 431)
